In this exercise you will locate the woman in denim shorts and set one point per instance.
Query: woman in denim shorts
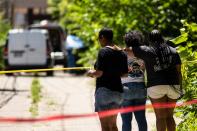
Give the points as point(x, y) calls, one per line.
point(110, 65)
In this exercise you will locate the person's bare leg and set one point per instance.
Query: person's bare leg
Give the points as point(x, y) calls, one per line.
point(109, 123)
point(171, 125)
point(160, 114)
point(104, 123)
point(112, 124)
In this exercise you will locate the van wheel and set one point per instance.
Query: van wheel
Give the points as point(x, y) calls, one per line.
point(50, 73)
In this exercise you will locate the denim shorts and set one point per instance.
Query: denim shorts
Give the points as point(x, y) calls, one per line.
point(105, 99)
point(134, 90)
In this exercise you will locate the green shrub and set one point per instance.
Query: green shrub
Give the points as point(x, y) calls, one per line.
point(4, 27)
point(187, 48)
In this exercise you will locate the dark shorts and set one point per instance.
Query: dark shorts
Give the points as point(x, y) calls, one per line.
point(105, 99)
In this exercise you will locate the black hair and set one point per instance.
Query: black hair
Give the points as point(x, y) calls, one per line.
point(107, 33)
point(134, 38)
point(156, 37)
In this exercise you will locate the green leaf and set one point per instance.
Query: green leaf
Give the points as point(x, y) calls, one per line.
point(193, 27)
point(180, 39)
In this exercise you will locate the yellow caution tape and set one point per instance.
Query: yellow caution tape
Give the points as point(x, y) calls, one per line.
point(48, 69)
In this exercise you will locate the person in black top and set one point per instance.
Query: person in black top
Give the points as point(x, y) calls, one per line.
point(110, 65)
point(163, 66)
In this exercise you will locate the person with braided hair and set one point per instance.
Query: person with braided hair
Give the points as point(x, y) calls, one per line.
point(164, 79)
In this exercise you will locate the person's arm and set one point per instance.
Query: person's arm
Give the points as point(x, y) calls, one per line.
point(142, 65)
point(124, 75)
point(178, 68)
point(95, 73)
point(177, 62)
point(99, 66)
point(140, 51)
point(125, 67)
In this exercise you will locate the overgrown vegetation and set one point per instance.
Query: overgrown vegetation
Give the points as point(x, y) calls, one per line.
point(86, 17)
point(4, 27)
point(35, 96)
point(187, 48)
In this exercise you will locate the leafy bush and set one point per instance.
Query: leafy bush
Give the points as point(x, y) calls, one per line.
point(5, 26)
point(86, 17)
point(187, 48)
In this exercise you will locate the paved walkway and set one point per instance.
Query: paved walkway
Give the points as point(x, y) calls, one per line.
point(62, 94)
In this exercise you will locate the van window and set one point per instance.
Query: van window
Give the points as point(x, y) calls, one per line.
point(54, 36)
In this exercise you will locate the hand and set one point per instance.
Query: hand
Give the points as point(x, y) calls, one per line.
point(130, 68)
point(90, 73)
point(141, 63)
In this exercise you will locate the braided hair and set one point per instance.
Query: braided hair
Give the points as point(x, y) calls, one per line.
point(156, 38)
point(161, 49)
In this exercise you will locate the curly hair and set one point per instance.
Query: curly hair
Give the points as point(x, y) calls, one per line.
point(134, 38)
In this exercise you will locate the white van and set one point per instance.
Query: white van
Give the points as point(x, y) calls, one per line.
point(57, 38)
point(28, 49)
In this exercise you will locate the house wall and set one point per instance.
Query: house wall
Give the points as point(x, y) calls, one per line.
point(19, 12)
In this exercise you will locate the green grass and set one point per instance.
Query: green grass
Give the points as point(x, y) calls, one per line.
point(51, 103)
point(35, 96)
